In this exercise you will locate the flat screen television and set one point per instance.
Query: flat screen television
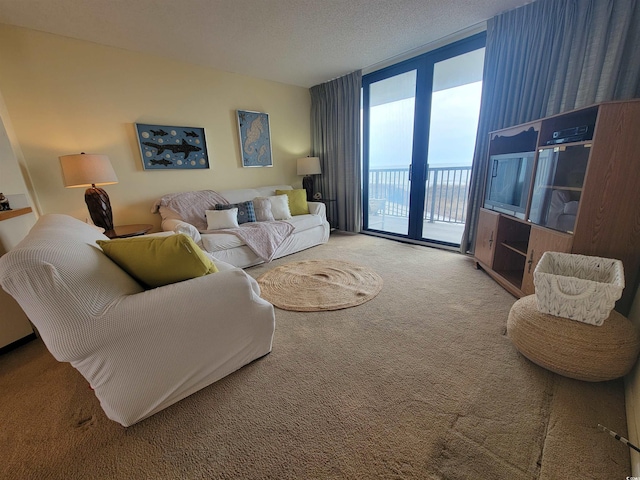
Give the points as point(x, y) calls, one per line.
point(508, 182)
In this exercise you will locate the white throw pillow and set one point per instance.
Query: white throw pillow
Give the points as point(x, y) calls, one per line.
point(189, 230)
point(262, 209)
point(217, 219)
point(280, 207)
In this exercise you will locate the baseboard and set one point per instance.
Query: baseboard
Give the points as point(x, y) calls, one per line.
point(18, 343)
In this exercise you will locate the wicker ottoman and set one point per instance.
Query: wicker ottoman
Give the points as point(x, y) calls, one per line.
point(570, 348)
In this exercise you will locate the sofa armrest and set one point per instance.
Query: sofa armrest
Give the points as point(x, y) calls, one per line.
point(223, 295)
point(178, 226)
point(318, 208)
point(205, 311)
point(163, 344)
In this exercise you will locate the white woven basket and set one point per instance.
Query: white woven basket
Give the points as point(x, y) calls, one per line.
point(578, 287)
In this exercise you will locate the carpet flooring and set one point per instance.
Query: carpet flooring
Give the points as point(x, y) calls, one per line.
point(421, 382)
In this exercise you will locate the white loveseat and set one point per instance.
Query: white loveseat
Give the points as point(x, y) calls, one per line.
point(140, 350)
point(309, 230)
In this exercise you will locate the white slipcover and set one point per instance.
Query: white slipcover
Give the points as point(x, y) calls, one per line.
point(310, 230)
point(140, 351)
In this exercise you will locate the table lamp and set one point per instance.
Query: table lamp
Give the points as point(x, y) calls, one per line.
point(89, 170)
point(308, 166)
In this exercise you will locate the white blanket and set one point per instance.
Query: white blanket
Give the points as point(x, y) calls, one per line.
point(190, 206)
point(263, 238)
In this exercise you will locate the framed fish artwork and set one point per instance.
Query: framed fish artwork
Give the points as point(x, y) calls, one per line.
point(170, 148)
point(255, 139)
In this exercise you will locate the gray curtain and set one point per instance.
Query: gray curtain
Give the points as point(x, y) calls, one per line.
point(549, 57)
point(335, 136)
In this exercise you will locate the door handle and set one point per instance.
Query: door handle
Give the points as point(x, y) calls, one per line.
point(410, 170)
point(530, 261)
point(491, 239)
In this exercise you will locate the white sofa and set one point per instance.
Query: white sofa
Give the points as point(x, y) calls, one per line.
point(309, 230)
point(140, 350)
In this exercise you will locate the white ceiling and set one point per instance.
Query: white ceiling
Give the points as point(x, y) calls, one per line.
point(299, 42)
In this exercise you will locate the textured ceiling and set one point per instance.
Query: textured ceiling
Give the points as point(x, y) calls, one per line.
point(299, 42)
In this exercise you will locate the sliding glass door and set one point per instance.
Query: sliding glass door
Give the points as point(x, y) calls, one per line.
point(391, 126)
point(420, 119)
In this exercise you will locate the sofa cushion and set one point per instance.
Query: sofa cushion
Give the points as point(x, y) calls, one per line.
point(246, 212)
point(225, 241)
point(280, 207)
point(271, 191)
point(215, 242)
point(297, 201)
point(157, 261)
point(242, 195)
point(262, 209)
point(219, 219)
point(304, 222)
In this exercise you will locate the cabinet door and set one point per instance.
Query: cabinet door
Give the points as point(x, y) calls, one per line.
point(557, 187)
point(542, 240)
point(486, 237)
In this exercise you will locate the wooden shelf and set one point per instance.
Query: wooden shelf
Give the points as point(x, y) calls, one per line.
point(585, 143)
point(518, 247)
point(7, 214)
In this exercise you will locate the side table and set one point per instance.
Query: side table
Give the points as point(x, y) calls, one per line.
point(124, 231)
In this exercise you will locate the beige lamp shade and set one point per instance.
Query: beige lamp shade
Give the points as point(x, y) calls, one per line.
point(89, 170)
point(85, 170)
point(309, 166)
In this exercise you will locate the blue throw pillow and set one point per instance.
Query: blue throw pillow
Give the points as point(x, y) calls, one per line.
point(246, 212)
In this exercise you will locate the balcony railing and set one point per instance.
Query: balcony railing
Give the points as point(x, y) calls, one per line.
point(447, 189)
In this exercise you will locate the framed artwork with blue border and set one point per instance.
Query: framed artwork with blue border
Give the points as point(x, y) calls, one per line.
point(177, 148)
point(255, 139)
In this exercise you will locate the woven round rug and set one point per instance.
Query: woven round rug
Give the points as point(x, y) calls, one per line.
point(319, 285)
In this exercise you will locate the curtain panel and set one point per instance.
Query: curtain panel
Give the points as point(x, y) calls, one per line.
point(548, 57)
point(335, 136)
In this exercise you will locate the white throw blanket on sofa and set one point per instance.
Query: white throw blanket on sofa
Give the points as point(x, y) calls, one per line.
point(263, 238)
point(190, 206)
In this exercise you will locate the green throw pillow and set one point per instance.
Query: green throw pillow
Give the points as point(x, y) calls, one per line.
point(156, 260)
point(297, 201)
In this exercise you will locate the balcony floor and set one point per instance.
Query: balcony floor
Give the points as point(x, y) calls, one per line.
point(438, 231)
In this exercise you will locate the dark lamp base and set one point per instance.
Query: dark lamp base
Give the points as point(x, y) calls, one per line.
point(307, 184)
point(99, 207)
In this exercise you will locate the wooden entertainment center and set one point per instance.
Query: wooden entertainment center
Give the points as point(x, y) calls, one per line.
point(566, 183)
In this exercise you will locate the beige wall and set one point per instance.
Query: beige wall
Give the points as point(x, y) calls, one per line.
point(12, 182)
point(13, 322)
point(68, 96)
